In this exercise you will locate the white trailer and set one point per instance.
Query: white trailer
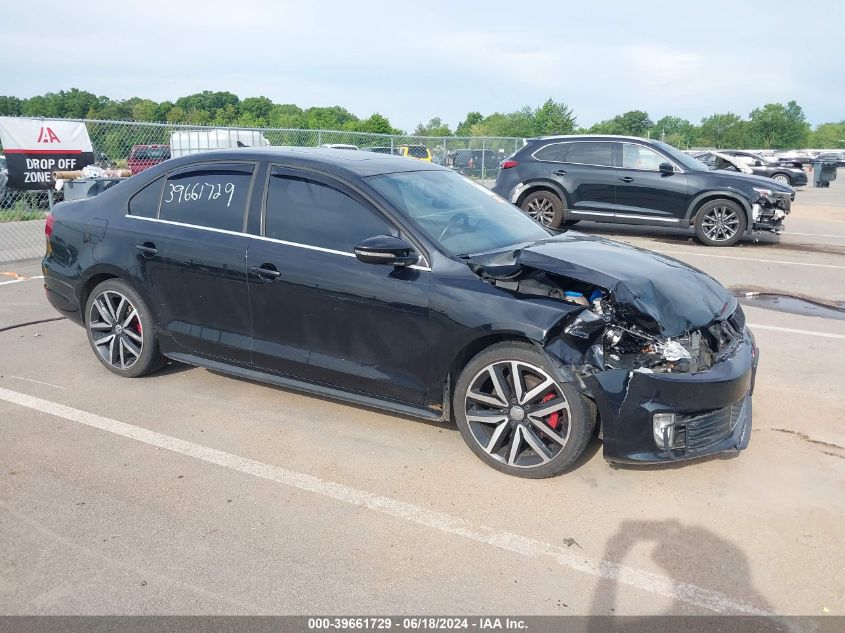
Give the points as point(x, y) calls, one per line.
point(193, 141)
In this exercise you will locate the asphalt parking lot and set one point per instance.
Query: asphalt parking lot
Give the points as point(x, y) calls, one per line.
point(189, 492)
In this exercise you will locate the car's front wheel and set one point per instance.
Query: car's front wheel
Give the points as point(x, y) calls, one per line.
point(720, 223)
point(545, 207)
point(120, 330)
point(517, 417)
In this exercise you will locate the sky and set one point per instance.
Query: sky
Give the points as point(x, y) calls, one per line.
point(411, 61)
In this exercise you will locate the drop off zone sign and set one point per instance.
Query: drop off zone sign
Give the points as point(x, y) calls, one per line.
point(35, 148)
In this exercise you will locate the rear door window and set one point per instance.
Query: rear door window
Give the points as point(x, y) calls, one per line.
point(213, 196)
point(591, 153)
point(313, 213)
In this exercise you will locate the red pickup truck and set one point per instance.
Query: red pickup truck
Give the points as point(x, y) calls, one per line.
point(143, 157)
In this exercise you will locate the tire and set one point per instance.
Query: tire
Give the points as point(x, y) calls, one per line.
point(782, 178)
point(491, 431)
point(545, 207)
point(720, 223)
point(571, 222)
point(120, 330)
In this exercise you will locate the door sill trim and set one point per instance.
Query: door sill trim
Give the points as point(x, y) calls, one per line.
point(296, 384)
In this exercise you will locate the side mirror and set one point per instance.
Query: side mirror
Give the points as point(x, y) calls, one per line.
point(758, 163)
point(666, 168)
point(385, 249)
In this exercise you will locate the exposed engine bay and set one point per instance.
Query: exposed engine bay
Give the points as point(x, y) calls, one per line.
point(611, 326)
point(769, 210)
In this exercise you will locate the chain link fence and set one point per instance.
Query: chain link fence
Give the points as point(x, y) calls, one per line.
point(134, 146)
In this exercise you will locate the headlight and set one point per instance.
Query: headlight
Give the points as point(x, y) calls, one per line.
point(763, 192)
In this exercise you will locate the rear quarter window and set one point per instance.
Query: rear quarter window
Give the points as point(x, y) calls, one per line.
point(554, 152)
point(145, 202)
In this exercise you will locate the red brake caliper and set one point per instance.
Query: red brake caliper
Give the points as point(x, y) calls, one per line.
point(554, 418)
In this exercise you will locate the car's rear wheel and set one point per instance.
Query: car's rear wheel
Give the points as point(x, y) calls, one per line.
point(720, 223)
point(545, 207)
point(120, 330)
point(782, 178)
point(517, 417)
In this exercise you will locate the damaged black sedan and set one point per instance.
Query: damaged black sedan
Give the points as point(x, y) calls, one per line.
point(406, 287)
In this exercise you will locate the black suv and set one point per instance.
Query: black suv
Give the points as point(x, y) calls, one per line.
point(560, 180)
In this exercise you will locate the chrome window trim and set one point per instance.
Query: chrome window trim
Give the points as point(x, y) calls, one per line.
point(678, 170)
point(262, 238)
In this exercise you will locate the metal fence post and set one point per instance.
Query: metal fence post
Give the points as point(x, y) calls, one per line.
point(445, 155)
point(319, 137)
point(483, 156)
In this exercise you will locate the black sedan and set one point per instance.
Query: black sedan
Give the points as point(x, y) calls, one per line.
point(747, 162)
point(402, 285)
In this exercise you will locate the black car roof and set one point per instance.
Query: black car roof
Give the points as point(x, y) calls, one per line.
point(335, 160)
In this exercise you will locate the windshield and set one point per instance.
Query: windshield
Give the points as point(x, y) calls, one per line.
point(461, 216)
point(687, 162)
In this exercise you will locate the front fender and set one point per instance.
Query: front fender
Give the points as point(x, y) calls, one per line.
point(524, 188)
point(729, 194)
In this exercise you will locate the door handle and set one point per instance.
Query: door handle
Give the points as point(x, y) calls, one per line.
point(265, 270)
point(148, 249)
point(627, 179)
point(560, 172)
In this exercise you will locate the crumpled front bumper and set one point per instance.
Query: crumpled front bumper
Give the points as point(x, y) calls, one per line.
point(713, 408)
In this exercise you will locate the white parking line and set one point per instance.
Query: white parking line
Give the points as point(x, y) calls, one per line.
point(775, 328)
point(515, 543)
point(841, 237)
point(48, 384)
point(21, 279)
point(749, 259)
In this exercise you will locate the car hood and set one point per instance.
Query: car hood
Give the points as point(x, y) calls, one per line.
point(762, 182)
point(654, 291)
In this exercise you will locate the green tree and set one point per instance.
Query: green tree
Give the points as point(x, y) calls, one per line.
point(778, 126)
point(723, 131)
point(675, 131)
point(258, 108)
point(473, 118)
point(553, 118)
point(827, 136)
point(377, 124)
point(207, 101)
point(10, 106)
point(435, 127)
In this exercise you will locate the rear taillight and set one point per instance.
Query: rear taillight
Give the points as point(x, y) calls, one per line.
point(469, 163)
point(48, 225)
point(507, 164)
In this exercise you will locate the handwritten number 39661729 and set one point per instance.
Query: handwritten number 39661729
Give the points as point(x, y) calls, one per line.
point(199, 191)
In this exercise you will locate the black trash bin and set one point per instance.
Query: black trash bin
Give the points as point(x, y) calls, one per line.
point(823, 172)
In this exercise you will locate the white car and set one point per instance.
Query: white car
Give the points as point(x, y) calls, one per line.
point(339, 146)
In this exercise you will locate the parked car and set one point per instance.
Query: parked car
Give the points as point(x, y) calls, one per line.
point(474, 162)
point(143, 157)
point(405, 286)
point(382, 150)
point(339, 146)
point(833, 157)
point(561, 180)
point(795, 158)
point(185, 142)
point(420, 152)
point(757, 165)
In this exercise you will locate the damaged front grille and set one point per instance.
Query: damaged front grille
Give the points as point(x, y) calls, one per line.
point(700, 431)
